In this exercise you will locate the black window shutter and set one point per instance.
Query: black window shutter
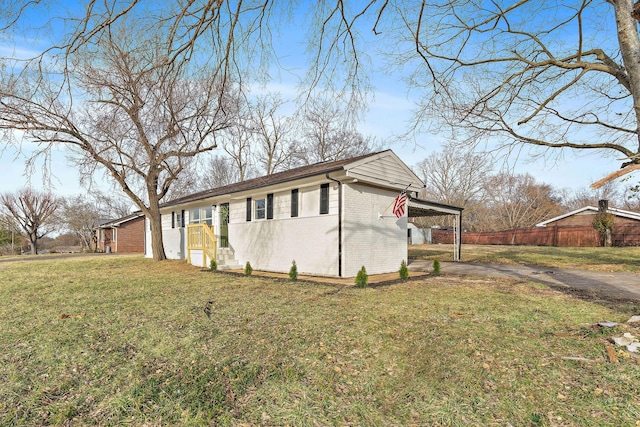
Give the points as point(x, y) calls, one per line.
point(294, 203)
point(248, 209)
point(270, 206)
point(324, 199)
point(182, 219)
point(173, 219)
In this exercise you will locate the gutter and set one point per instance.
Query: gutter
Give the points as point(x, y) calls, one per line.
point(339, 222)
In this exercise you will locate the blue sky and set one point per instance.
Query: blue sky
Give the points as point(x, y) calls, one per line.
point(388, 116)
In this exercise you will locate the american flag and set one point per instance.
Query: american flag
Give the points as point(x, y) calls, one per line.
point(399, 204)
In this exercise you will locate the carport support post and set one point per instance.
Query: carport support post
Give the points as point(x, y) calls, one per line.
point(457, 247)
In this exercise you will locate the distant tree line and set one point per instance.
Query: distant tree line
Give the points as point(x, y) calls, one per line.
point(33, 221)
point(504, 200)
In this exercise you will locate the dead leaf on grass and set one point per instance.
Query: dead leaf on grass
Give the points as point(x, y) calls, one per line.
point(72, 316)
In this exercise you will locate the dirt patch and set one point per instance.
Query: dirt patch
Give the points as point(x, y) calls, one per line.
point(374, 279)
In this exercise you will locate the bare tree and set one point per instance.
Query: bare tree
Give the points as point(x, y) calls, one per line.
point(273, 149)
point(220, 171)
point(112, 205)
point(12, 237)
point(80, 216)
point(456, 177)
point(237, 143)
point(518, 201)
point(33, 212)
point(549, 74)
point(5, 230)
point(124, 106)
point(329, 134)
point(590, 197)
point(11, 12)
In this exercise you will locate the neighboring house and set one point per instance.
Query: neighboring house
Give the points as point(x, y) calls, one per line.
point(332, 218)
point(123, 235)
point(417, 235)
point(575, 228)
point(585, 216)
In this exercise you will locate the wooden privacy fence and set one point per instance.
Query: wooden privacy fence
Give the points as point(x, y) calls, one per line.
point(585, 236)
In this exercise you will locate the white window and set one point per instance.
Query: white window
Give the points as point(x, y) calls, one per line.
point(261, 208)
point(201, 215)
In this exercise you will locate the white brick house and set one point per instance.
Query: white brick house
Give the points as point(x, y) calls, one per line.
point(332, 218)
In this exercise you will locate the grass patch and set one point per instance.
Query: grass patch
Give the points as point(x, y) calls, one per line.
point(124, 340)
point(595, 259)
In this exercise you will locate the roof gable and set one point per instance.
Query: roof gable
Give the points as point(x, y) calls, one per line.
point(384, 168)
point(118, 222)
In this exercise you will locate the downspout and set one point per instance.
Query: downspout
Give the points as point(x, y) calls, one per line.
point(339, 223)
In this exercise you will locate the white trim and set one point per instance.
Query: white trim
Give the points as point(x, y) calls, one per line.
point(351, 172)
point(613, 211)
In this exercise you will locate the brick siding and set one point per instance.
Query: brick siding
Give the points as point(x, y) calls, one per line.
point(130, 237)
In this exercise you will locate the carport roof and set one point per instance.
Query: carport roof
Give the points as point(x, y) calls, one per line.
point(419, 207)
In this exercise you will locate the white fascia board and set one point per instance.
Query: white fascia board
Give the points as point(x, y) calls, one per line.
point(613, 211)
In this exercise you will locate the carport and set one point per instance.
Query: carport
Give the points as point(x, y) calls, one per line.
point(419, 208)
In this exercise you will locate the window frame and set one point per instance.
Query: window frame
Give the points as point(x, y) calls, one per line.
point(196, 215)
point(260, 206)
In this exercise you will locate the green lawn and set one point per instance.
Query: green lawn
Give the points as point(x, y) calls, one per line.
point(118, 340)
point(599, 259)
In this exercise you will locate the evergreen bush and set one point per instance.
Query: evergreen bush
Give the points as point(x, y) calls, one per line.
point(213, 265)
point(293, 271)
point(248, 269)
point(404, 271)
point(362, 278)
point(436, 267)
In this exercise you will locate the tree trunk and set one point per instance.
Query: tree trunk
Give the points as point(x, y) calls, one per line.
point(34, 245)
point(607, 238)
point(155, 219)
point(630, 49)
point(157, 245)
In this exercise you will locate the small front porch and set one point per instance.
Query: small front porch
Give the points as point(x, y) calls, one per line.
point(202, 248)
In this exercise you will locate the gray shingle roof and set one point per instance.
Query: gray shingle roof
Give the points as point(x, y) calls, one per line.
point(276, 178)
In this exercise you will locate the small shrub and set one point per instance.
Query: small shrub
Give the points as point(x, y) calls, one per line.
point(248, 269)
point(436, 267)
point(404, 271)
point(213, 265)
point(293, 271)
point(362, 278)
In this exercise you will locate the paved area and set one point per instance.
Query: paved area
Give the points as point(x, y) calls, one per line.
point(622, 285)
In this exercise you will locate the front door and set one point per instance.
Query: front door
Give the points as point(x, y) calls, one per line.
point(224, 225)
